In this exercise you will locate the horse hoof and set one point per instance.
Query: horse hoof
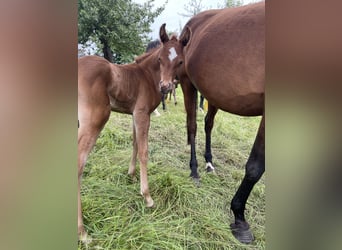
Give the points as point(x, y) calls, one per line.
point(150, 203)
point(241, 233)
point(209, 167)
point(84, 238)
point(197, 182)
point(132, 179)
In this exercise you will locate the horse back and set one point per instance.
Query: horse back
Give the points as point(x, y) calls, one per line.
point(225, 59)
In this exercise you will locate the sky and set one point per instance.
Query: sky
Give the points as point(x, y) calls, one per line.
point(171, 16)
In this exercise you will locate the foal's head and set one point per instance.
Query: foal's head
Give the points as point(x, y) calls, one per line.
point(171, 56)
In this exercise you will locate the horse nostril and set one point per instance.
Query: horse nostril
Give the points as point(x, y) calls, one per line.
point(165, 87)
point(163, 90)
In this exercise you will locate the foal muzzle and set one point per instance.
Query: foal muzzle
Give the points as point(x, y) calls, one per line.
point(164, 88)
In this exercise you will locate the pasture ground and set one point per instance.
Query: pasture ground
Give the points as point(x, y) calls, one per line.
point(184, 216)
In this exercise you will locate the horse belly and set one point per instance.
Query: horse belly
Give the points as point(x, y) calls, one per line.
point(250, 105)
point(121, 106)
point(226, 60)
point(122, 93)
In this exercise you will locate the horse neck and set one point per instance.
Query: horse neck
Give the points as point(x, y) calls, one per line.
point(150, 65)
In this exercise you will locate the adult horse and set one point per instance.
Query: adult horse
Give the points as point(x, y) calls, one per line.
point(134, 89)
point(225, 60)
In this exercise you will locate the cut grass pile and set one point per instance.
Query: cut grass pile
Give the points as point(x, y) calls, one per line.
point(184, 216)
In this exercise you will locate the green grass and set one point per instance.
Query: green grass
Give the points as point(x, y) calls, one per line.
point(184, 216)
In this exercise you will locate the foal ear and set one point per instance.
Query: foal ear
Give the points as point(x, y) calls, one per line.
point(163, 35)
point(185, 36)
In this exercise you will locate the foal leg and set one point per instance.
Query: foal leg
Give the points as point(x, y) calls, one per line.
point(142, 125)
point(89, 130)
point(132, 166)
point(85, 144)
point(209, 123)
point(255, 167)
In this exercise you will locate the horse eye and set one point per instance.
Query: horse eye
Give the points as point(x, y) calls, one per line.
point(181, 62)
point(158, 59)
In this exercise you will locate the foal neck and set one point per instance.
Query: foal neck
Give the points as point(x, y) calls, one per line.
point(149, 63)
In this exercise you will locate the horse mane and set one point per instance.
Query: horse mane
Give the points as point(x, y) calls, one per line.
point(153, 44)
point(151, 47)
point(174, 37)
point(142, 57)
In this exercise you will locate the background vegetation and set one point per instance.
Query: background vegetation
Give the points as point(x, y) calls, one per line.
point(185, 216)
point(119, 27)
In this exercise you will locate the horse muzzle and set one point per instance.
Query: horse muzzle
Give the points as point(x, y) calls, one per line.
point(164, 88)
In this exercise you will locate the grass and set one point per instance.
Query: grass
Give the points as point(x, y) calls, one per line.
point(184, 216)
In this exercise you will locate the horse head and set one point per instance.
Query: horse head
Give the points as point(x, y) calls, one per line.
point(171, 56)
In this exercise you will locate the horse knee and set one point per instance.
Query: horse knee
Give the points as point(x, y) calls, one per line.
point(254, 171)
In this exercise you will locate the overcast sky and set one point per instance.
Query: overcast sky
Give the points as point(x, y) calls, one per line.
point(171, 16)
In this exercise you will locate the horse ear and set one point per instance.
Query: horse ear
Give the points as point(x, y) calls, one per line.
point(163, 35)
point(185, 36)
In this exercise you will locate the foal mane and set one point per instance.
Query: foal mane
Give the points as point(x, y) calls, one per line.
point(173, 37)
point(144, 56)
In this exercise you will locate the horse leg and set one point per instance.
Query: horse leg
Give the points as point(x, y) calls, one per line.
point(156, 112)
point(89, 130)
point(209, 123)
point(163, 101)
point(201, 103)
point(255, 167)
point(142, 125)
point(132, 166)
point(190, 102)
point(174, 93)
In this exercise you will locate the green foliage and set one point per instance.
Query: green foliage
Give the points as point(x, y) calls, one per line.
point(185, 216)
point(233, 3)
point(192, 8)
point(122, 25)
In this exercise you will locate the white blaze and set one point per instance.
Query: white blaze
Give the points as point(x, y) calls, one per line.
point(172, 54)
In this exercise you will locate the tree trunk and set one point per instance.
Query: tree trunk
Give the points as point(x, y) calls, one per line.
point(107, 52)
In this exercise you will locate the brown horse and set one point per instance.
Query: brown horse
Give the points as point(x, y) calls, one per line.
point(134, 89)
point(225, 60)
point(156, 44)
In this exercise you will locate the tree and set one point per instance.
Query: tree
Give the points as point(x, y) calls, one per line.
point(192, 8)
point(233, 3)
point(120, 26)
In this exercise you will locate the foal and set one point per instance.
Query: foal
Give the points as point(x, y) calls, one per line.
point(156, 44)
point(134, 89)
